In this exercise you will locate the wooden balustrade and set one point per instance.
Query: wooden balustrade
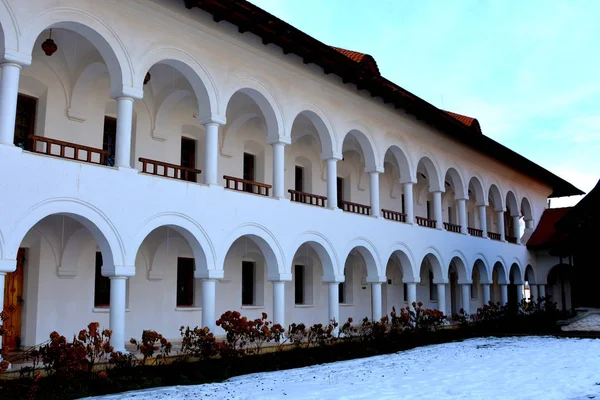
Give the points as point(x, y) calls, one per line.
point(355, 208)
point(426, 222)
point(452, 227)
point(167, 170)
point(475, 232)
point(494, 235)
point(71, 151)
point(511, 239)
point(307, 198)
point(393, 215)
point(244, 185)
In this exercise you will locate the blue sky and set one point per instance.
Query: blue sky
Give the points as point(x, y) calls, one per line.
point(528, 71)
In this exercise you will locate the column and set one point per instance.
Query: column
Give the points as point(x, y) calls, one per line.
point(376, 300)
point(462, 215)
point(278, 170)
point(279, 303)
point(441, 291)
point(500, 218)
point(411, 293)
point(482, 220)
point(2, 276)
point(118, 286)
point(332, 200)
point(486, 293)
point(208, 303)
point(334, 301)
point(408, 203)
point(542, 291)
point(533, 292)
point(503, 293)
point(124, 123)
point(374, 191)
point(528, 224)
point(516, 232)
point(437, 209)
point(519, 294)
point(9, 90)
point(465, 291)
point(211, 153)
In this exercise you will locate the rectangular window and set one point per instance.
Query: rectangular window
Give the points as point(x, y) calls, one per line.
point(405, 291)
point(25, 121)
point(249, 171)
point(450, 219)
point(403, 204)
point(248, 283)
point(299, 284)
point(299, 179)
point(428, 210)
point(188, 159)
point(342, 293)
point(473, 292)
point(109, 140)
point(101, 285)
point(185, 282)
point(340, 191)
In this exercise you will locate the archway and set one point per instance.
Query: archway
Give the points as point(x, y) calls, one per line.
point(454, 193)
point(495, 213)
point(499, 282)
point(432, 290)
point(399, 274)
point(476, 217)
point(428, 195)
point(515, 287)
point(355, 293)
point(392, 188)
point(559, 287)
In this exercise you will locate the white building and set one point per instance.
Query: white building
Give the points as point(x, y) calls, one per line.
point(105, 216)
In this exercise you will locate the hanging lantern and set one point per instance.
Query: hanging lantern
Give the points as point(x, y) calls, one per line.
point(49, 47)
point(147, 78)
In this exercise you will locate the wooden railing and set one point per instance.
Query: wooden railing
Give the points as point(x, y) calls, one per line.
point(451, 227)
point(355, 208)
point(245, 185)
point(475, 232)
point(168, 170)
point(72, 151)
point(494, 235)
point(426, 222)
point(511, 239)
point(307, 198)
point(393, 215)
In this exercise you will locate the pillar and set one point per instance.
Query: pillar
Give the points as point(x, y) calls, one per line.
point(211, 153)
point(542, 291)
point(516, 232)
point(441, 291)
point(332, 199)
point(503, 294)
point(279, 303)
point(500, 218)
point(408, 203)
point(118, 294)
point(334, 298)
point(208, 303)
point(482, 219)
point(465, 291)
point(2, 276)
point(9, 91)
point(486, 293)
point(533, 292)
point(376, 300)
point(124, 124)
point(411, 293)
point(278, 170)
point(374, 191)
point(519, 294)
point(437, 209)
point(462, 215)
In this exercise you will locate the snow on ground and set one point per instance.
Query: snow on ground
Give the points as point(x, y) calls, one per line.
point(489, 368)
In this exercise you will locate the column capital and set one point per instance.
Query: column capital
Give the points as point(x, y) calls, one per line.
point(212, 119)
point(14, 57)
point(459, 198)
point(334, 279)
point(465, 282)
point(7, 266)
point(213, 274)
point(440, 281)
point(332, 156)
point(409, 181)
point(279, 277)
point(279, 141)
point(377, 279)
point(378, 170)
point(485, 204)
point(437, 191)
point(118, 271)
point(128, 91)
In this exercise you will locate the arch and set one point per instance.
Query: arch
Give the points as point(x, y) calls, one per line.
point(516, 273)
point(406, 260)
point(369, 253)
point(71, 253)
point(502, 272)
point(229, 137)
point(94, 29)
point(267, 103)
point(266, 242)
point(526, 211)
point(403, 163)
point(481, 265)
point(163, 114)
point(496, 197)
point(324, 249)
point(458, 259)
point(434, 258)
point(511, 203)
point(97, 223)
point(190, 230)
point(433, 176)
point(457, 181)
point(9, 36)
point(80, 94)
point(530, 275)
point(367, 146)
point(477, 187)
point(196, 74)
point(322, 125)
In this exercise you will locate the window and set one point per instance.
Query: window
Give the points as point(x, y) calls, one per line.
point(428, 210)
point(450, 219)
point(405, 291)
point(188, 159)
point(403, 204)
point(109, 140)
point(432, 288)
point(342, 293)
point(299, 280)
point(185, 282)
point(101, 285)
point(248, 282)
point(474, 284)
point(340, 191)
point(249, 171)
point(25, 121)
point(299, 179)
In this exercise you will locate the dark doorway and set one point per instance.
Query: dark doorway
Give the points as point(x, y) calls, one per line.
point(101, 285)
point(25, 121)
point(109, 140)
point(185, 282)
point(248, 282)
point(340, 192)
point(188, 159)
point(299, 284)
point(249, 171)
point(299, 179)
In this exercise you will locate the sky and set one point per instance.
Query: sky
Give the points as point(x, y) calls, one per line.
point(529, 71)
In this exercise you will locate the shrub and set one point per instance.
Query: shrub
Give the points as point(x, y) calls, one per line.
point(198, 342)
point(297, 335)
point(421, 319)
point(60, 357)
point(319, 335)
point(151, 343)
point(490, 312)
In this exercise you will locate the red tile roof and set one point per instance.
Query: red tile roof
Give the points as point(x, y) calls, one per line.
point(545, 234)
point(468, 121)
point(360, 58)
